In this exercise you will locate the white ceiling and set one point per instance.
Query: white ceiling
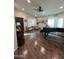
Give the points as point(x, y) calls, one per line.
point(50, 7)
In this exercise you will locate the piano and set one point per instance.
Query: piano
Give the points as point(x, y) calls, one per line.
point(46, 31)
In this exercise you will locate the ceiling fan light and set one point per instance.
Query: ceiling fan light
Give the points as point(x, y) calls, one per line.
point(28, 1)
point(61, 7)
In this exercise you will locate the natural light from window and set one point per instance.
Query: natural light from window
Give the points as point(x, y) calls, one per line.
point(51, 22)
point(60, 23)
point(56, 23)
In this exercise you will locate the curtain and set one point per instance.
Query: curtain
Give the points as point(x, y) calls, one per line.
point(51, 22)
point(56, 22)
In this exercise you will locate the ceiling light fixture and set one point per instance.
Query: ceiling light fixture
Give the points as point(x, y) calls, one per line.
point(61, 7)
point(22, 9)
point(35, 15)
point(28, 1)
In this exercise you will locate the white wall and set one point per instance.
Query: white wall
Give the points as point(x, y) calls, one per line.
point(25, 17)
point(18, 13)
point(15, 39)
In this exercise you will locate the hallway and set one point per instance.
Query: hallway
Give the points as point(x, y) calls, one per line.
point(36, 47)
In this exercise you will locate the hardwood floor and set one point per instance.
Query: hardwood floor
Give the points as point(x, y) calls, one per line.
point(36, 47)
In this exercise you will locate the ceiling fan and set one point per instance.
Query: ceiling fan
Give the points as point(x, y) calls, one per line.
point(39, 9)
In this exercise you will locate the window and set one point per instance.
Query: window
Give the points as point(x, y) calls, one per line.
point(51, 22)
point(31, 22)
point(60, 23)
point(56, 23)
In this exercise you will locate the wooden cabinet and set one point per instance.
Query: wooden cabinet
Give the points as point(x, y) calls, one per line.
point(20, 38)
point(20, 31)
